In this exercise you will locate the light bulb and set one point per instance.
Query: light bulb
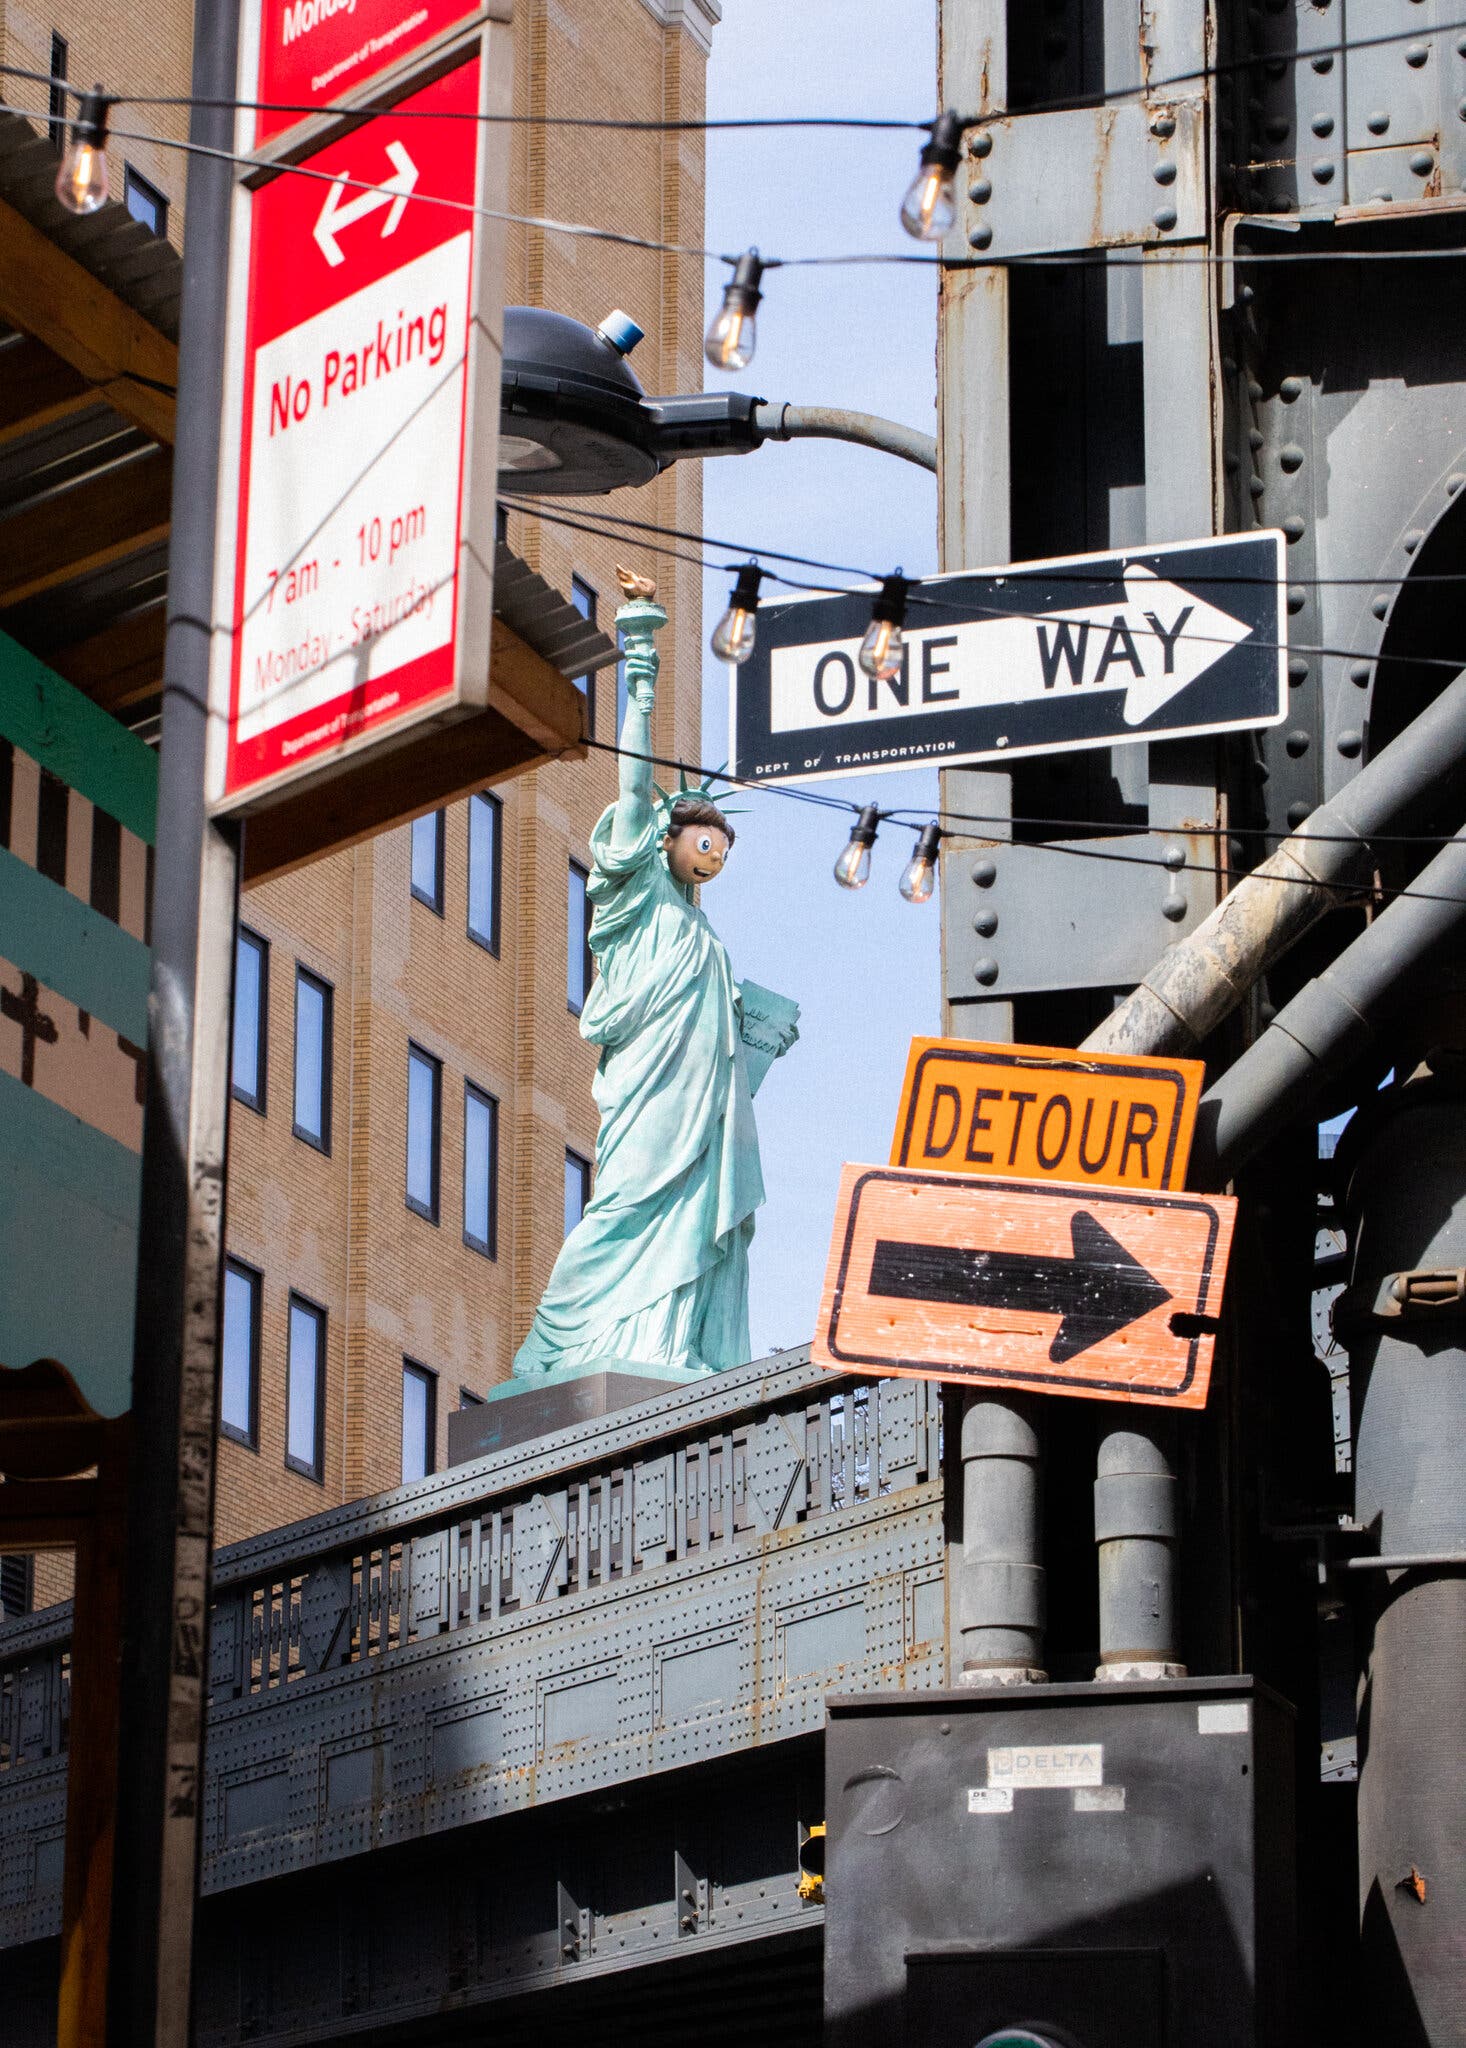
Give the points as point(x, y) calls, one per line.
point(734, 634)
point(852, 869)
point(930, 207)
point(81, 182)
point(919, 876)
point(730, 338)
point(883, 649)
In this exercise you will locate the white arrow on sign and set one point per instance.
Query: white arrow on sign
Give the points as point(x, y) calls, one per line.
point(1160, 639)
point(393, 193)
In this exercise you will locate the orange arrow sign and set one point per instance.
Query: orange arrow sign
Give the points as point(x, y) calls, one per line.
point(1060, 1288)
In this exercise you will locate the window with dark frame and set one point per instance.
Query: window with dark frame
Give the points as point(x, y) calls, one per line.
point(427, 860)
point(467, 1398)
point(17, 1585)
point(577, 1188)
point(144, 201)
point(251, 1010)
point(579, 966)
point(419, 1421)
point(424, 1131)
point(313, 1020)
point(305, 1389)
point(480, 1171)
point(585, 598)
point(239, 1372)
point(485, 838)
point(56, 123)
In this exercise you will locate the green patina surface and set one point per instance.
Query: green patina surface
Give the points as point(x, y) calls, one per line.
point(654, 1278)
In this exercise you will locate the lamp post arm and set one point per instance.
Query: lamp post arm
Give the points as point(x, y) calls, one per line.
point(781, 422)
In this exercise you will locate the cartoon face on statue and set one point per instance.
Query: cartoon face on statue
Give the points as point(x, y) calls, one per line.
point(697, 842)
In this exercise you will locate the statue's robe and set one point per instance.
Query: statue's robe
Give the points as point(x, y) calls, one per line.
point(656, 1272)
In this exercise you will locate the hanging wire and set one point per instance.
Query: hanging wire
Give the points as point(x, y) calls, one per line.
point(1148, 257)
point(1150, 88)
point(966, 609)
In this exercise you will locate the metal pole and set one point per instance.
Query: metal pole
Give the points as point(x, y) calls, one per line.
point(181, 1230)
point(780, 422)
point(998, 1603)
point(1000, 1590)
point(1137, 1525)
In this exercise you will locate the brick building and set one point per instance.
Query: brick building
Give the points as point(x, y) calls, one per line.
point(412, 1120)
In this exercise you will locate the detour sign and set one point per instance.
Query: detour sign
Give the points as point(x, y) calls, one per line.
point(1102, 1292)
point(1035, 1112)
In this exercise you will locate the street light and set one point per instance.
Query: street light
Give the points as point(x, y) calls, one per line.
point(575, 422)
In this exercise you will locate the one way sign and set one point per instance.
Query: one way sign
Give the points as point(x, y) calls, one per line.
point(1093, 651)
point(1106, 1292)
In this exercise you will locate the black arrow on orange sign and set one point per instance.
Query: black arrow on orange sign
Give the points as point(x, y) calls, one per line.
point(1097, 1292)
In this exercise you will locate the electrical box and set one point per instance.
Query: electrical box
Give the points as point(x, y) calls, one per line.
point(1109, 1865)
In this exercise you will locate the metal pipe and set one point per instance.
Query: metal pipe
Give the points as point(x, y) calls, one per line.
point(781, 422)
point(1429, 1560)
point(1137, 1530)
point(1195, 984)
point(1000, 1590)
point(1329, 1021)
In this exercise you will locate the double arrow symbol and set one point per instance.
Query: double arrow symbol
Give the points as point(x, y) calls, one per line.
point(1098, 1291)
point(393, 193)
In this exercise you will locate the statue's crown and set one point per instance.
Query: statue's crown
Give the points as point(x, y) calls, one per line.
point(706, 790)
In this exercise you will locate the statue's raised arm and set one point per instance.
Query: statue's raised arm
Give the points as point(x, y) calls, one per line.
point(638, 618)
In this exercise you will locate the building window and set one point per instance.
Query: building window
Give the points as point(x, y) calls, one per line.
point(144, 201)
point(467, 1398)
point(578, 965)
point(305, 1389)
point(313, 1059)
point(419, 1421)
point(18, 1586)
point(427, 860)
point(56, 98)
point(424, 1131)
point(251, 1009)
point(583, 596)
point(480, 1171)
point(577, 1188)
point(485, 815)
point(239, 1373)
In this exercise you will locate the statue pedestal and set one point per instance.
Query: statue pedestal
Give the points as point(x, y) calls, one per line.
point(519, 1410)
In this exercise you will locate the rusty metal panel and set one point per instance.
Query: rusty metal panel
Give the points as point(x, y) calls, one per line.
point(1126, 174)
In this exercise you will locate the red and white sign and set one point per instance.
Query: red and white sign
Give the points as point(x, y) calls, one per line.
point(314, 53)
point(355, 367)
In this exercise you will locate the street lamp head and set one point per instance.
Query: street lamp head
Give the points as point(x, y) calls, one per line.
point(572, 420)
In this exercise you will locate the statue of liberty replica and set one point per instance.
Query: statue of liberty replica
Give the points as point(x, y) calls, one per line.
point(655, 1275)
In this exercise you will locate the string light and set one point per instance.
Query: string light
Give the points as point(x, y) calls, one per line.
point(731, 337)
point(919, 876)
point(930, 205)
point(883, 649)
point(81, 182)
point(852, 869)
point(733, 636)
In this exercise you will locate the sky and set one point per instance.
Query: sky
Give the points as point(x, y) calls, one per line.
point(865, 968)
